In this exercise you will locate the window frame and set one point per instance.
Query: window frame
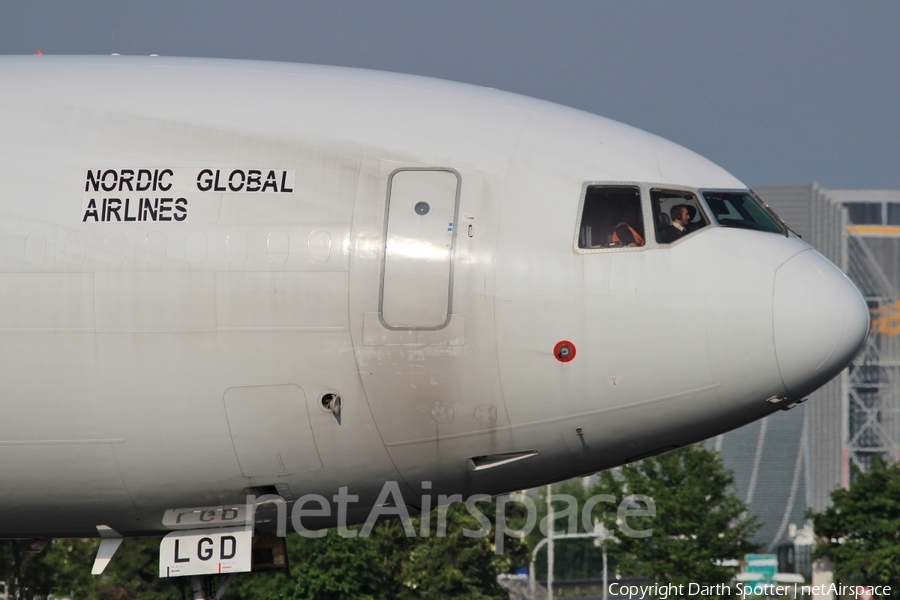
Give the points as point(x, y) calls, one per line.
point(701, 206)
point(645, 207)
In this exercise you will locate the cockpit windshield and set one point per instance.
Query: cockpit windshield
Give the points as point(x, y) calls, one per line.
point(742, 210)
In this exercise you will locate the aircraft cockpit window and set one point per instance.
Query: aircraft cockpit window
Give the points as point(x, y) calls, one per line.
point(611, 218)
point(677, 214)
point(742, 210)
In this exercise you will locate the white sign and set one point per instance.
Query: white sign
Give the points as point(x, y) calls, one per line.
point(206, 552)
point(207, 516)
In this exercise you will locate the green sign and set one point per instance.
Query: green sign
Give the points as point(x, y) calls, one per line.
point(764, 565)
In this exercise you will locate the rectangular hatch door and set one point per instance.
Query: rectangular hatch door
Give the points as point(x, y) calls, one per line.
point(417, 274)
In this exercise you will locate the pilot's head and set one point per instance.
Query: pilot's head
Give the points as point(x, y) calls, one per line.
point(680, 214)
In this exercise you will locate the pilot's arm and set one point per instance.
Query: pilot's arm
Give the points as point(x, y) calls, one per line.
point(625, 236)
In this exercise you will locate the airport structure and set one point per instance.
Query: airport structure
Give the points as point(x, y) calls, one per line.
point(790, 462)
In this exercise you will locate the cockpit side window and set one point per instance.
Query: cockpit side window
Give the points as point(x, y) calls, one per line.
point(611, 218)
point(676, 214)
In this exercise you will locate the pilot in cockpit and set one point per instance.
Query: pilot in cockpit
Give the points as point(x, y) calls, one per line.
point(681, 218)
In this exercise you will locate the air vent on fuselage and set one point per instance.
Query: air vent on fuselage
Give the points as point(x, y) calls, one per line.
point(489, 461)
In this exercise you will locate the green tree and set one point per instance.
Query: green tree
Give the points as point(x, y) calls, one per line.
point(25, 576)
point(860, 531)
point(326, 568)
point(71, 560)
point(385, 565)
point(698, 521)
point(577, 558)
point(453, 566)
point(131, 575)
point(388, 564)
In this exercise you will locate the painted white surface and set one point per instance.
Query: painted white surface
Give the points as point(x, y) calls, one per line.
point(270, 429)
point(812, 341)
point(418, 248)
point(120, 340)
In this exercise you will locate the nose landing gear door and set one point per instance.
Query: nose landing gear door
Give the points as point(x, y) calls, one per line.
point(417, 274)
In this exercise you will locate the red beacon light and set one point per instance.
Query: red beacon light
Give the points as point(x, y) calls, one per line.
point(564, 351)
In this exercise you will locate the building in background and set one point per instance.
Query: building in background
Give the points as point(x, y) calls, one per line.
point(791, 461)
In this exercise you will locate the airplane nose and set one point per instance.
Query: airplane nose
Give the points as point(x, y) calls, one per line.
point(820, 322)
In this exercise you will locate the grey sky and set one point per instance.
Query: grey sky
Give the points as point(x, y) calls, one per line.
point(776, 92)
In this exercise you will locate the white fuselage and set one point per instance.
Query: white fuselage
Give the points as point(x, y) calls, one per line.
point(150, 363)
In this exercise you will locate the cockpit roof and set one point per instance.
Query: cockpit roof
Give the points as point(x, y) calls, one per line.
point(661, 160)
